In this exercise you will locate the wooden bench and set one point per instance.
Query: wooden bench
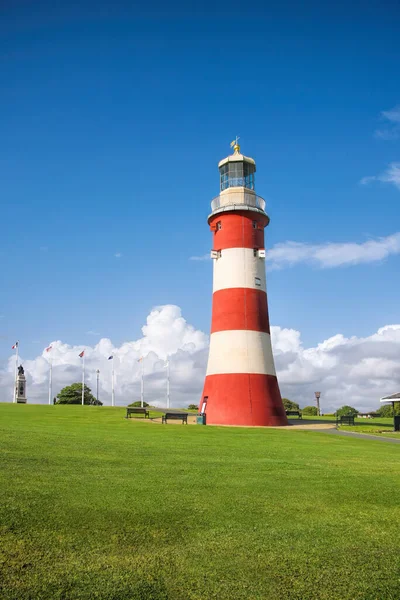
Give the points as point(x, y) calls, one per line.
point(345, 420)
point(294, 413)
point(169, 416)
point(133, 410)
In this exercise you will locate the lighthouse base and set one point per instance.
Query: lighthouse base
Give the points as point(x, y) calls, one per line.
point(252, 400)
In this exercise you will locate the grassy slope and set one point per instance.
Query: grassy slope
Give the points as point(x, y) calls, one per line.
point(94, 506)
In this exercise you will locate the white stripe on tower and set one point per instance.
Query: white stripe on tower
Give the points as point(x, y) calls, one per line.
point(240, 351)
point(239, 268)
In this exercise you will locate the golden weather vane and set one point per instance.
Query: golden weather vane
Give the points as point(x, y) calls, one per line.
point(235, 145)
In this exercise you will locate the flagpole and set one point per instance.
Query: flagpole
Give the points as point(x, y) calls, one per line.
point(15, 375)
point(142, 385)
point(83, 380)
point(112, 378)
point(50, 380)
point(168, 374)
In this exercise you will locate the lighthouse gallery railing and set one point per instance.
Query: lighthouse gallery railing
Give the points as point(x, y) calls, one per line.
point(249, 200)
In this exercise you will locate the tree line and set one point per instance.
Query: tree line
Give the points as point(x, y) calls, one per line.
point(383, 411)
point(72, 394)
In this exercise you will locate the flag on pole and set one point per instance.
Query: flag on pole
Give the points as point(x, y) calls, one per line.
point(15, 347)
point(166, 366)
point(112, 381)
point(141, 382)
point(82, 355)
point(50, 374)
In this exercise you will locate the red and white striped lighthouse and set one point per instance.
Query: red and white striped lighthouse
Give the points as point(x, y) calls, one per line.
point(241, 387)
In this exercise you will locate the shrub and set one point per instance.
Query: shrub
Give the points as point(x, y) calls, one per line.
point(346, 410)
point(386, 410)
point(138, 404)
point(310, 410)
point(72, 394)
point(289, 405)
point(193, 407)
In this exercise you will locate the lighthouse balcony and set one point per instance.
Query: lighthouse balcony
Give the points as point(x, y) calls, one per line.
point(238, 200)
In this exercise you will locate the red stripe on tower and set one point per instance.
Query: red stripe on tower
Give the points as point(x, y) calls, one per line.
point(241, 387)
point(239, 308)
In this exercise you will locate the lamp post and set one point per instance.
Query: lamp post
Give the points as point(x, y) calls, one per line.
point(97, 386)
point(317, 397)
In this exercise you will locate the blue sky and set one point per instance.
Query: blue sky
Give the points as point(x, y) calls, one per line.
point(113, 121)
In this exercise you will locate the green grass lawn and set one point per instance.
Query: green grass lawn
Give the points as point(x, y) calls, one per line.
point(97, 506)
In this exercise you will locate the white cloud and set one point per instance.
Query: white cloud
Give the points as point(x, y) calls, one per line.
point(368, 179)
point(392, 115)
point(202, 257)
point(91, 332)
point(391, 175)
point(392, 130)
point(329, 255)
point(118, 254)
point(356, 371)
point(387, 134)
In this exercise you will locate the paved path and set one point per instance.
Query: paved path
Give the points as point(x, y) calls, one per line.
point(360, 435)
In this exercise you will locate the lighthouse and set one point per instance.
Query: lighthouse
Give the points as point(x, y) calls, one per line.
point(241, 387)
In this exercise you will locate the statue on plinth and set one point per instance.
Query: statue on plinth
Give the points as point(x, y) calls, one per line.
point(20, 386)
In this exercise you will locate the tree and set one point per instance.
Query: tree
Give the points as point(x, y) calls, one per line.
point(346, 410)
point(386, 410)
point(193, 407)
point(289, 405)
point(312, 411)
point(139, 403)
point(72, 394)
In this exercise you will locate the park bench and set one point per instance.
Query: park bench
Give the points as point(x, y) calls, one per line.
point(294, 413)
point(175, 417)
point(133, 410)
point(345, 420)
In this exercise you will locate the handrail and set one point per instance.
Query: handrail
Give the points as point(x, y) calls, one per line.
point(249, 200)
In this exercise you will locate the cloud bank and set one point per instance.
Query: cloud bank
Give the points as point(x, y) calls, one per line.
point(356, 371)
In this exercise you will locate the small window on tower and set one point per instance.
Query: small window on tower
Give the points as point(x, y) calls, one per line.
point(257, 281)
point(219, 225)
point(254, 224)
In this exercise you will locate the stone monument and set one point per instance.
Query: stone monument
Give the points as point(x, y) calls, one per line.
point(20, 386)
